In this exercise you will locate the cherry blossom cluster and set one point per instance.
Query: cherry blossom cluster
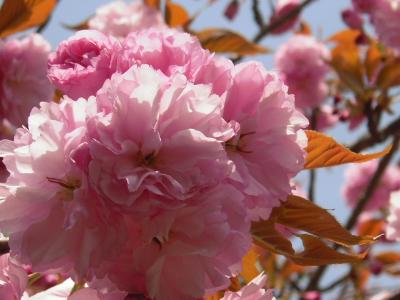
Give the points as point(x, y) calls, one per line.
point(157, 159)
point(383, 16)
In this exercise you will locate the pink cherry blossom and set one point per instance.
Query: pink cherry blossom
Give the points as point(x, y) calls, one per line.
point(326, 117)
point(63, 291)
point(254, 290)
point(357, 178)
point(23, 77)
point(268, 149)
point(83, 62)
point(159, 137)
point(119, 18)
point(48, 192)
point(385, 19)
point(305, 82)
point(205, 240)
point(393, 226)
point(13, 279)
point(172, 52)
point(283, 7)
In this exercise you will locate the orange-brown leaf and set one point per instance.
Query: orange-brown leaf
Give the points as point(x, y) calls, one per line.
point(176, 15)
point(304, 28)
point(345, 59)
point(305, 215)
point(19, 15)
point(316, 252)
point(389, 76)
point(372, 227)
point(249, 265)
point(388, 258)
point(226, 41)
point(373, 60)
point(80, 26)
point(324, 151)
point(153, 3)
point(345, 37)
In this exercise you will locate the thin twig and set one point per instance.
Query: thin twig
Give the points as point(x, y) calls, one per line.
point(373, 183)
point(264, 31)
point(4, 248)
point(383, 135)
point(313, 172)
point(257, 13)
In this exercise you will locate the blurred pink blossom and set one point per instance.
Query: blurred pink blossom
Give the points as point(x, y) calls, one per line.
point(393, 226)
point(254, 290)
point(119, 18)
point(283, 7)
point(305, 82)
point(357, 178)
point(83, 62)
point(352, 18)
point(268, 148)
point(23, 77)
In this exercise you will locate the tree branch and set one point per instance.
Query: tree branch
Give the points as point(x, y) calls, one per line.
point(257, 13)
point(369, 141)
point(373, 183)
point(4, 248)
point(281, 21)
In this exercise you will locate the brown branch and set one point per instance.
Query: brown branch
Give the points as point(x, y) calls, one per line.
point(369, 141)
point(264, 31)
point(373, 183)
point(257, 13)
point(281, 21)
point(4, 248)
point(313, 172)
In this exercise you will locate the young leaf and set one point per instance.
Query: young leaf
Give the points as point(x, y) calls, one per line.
point(316, 252)
point(371, 227)
point(176, 15)
point(324, 151)
point(305, 215)
point(388, 258)
point(19, 15)
point(222, 40)
point(80, 26)
point(389, 76)
point(345, 59)
point(249, 268)
point(153, 3)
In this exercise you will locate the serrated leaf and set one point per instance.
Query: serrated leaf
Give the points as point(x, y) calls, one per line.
point(19, 15)
point(176, 15)
point(305, 215)
point(226, 41)
point(323, 151)
point(316, 252)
